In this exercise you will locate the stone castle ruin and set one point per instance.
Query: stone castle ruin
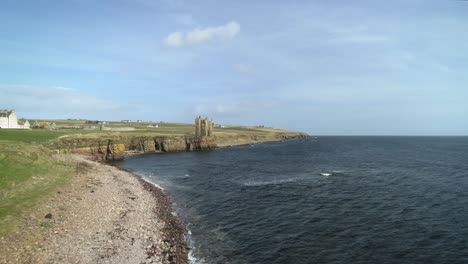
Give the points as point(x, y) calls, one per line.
point(203, 127)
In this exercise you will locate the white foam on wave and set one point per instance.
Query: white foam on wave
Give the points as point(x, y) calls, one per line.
point(154, 184)
point(193, 260)
point(338, 171)
point(143, 177)
point(183, 176)
point(191, 257)
point(262, 183)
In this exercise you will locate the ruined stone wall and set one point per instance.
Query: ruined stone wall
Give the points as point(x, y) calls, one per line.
point(210, 128)
point(198, 127)
point(203, 128)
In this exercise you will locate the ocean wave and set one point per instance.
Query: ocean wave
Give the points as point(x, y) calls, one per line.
point(183, 176)
point(146, 179)
point(274, 182)
point(154, 184)
point(338, 171)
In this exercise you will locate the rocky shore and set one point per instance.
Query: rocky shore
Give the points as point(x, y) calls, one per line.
point(105, 215)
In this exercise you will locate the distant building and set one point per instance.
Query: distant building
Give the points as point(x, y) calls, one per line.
point(139, 121)
point(126, 121)
point(47, 125)
point(23, 123)
point(8, 119)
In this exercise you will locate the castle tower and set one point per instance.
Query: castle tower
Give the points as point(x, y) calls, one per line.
point(203, 127)
point(210, 128)
point(198, 127)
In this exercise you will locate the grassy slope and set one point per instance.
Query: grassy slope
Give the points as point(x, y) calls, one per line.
point(28, 171)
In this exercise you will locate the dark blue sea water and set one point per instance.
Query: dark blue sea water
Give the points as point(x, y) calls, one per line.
point(387, 200)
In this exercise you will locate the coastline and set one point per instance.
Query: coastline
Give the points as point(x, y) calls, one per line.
point(105, 215)
point(173, 244)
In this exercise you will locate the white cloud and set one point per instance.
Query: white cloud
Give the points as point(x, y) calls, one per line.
point(202, 35)
point(55, 102)
point(241, 67)
point(233, 109)
point(355, 35)
point(362, 38)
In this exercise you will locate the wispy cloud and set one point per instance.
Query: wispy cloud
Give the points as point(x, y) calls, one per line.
point(243, 67)
point(232, 109)
point(202, 35)
point(357, 34)
point(37, 101)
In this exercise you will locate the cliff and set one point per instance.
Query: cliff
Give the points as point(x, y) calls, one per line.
point(113, 145)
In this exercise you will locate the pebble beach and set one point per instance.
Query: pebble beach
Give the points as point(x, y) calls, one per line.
point(105, 215)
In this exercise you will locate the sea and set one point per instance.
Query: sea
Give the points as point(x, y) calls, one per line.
point(320, 200)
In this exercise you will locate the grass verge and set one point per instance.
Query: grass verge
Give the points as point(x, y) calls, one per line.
point(28, 173)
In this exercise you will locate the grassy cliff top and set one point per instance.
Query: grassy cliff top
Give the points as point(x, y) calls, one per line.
point(64, 129)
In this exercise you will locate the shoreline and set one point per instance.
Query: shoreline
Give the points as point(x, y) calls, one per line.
point(174, 240)
point(174, 246)
point(106, 214)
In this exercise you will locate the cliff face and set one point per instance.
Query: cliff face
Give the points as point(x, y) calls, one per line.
point(226, 139)
point(113, 146)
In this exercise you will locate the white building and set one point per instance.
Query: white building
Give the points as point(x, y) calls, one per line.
point(8, 119)
point(24, 124)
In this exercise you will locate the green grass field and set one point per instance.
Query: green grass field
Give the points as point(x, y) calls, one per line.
point(34, 135)
point(43, 135)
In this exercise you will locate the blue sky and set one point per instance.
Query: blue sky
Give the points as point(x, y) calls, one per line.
point(323, 67)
